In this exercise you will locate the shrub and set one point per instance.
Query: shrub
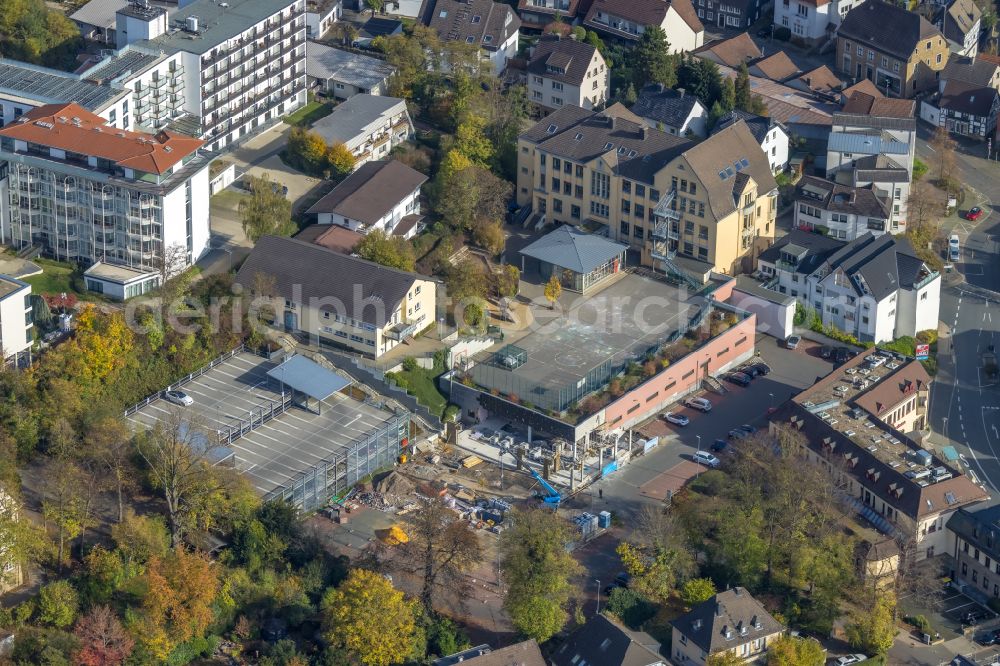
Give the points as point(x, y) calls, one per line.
point(409, 364)
point(782, 34)
point(919, 169)
point(629, 607)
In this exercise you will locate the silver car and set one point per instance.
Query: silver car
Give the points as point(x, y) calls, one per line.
point(179, 398)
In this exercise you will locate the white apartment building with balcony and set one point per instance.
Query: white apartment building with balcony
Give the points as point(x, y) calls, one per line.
point(369, 125)
point(83, 191)
point(15, 320)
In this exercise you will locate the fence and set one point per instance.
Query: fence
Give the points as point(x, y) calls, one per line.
point(184, 380)
point(258, 417)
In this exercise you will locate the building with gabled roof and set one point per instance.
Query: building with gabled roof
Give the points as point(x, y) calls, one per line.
point(731, 52)
point(961, 23)
point(492, 26)
point(536, 14)
point(812, 22)
point(566, 71)
point(979, 71)
point(770, 134)
point(776, 67)
point(731, 621)
point(606, 642)
point(369, 125)
point(821, 80)
point(671, 111)
point(628, 20)
point(844, 212)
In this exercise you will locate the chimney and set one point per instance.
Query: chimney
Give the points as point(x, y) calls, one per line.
point(718, 610)
point(611, 122)
point(642, 132)
point(681, 91)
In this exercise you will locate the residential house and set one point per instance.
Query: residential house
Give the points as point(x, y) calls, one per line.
point(536, 14)
point(863, 86)
point(343, 74)
point(604, 641)
point(906, 492)
point(898, 50)
point(369, 125)
point(961, 23)
point(671, 111)
point(877, 561)
point(565, 71)
point(15, 320)
point(731, 52)
point(772, 137)
point(821, 81)
point(840, 211)
point(336, 298)
point(738, 14)
point(493, 26)
point(964, 108)
point(331, 236)
point(11, 571)
point(980, 71)
point(127, 198)
point(525, 653)
point(975, 550)
point(628, 20)
point(872, 142)
point(812, 22)
point(776, 67)
point(902, 400)
point(731, 622)
point(382, 195)
point(874, 287)
point(377, 26)
point(320, 17)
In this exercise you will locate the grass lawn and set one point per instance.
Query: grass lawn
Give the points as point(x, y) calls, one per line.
point(309, 114)
point(421, 384)
point(56, 278)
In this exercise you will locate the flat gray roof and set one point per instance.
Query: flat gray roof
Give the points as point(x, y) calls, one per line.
point(9, 285)
point(116, 273)
point(748, 285)
point(306, 376)
point(50, 86)
point(578, 251)
point(217, 23)
point(130, 60)
point(351, 117)
point(326, 62)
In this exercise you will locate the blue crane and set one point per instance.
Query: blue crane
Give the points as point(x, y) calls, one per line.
point(553, 496)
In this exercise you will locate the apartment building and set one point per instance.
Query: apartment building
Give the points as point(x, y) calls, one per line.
point(493, 26)
point(84, 191)
point(975, 551)
point(710, 206)
point(840, 211)
point(340, 299)
point(961, 23)
point(903, 490)
point(900, 51)
point(15, 320)
point(874, 287)
point(732, 622)
point(812, 22)
point(565, 71)
point(536, 14)
point(902, 400)
point(369, 125)
point(770, 134)
point(628, 20)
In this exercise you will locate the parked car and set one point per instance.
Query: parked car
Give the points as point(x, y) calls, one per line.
point(825, 351)
point(747, 428)
point(762, 368)
point(719, 445)
point(701, 404)
point(705, 458)
point(842, 355)
point(954, 248)
point(738, 378)
point(989, 637)
point(750, 371)
point(974, 213)
point(736, 433)
point(792, 341)
point(179, 398)
point(846, 660)
point(677, 419)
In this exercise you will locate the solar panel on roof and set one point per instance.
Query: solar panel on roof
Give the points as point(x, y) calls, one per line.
point(722, 175)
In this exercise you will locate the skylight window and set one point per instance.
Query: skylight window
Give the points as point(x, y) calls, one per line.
point(477, 18)
point(552, 129)
point(487, 39)
point(609, 146)
point(443, 14)
point(470, 39)
point(579, 135)
point(745, 162)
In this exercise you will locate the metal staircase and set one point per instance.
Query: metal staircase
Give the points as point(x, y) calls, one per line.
point(666, 236)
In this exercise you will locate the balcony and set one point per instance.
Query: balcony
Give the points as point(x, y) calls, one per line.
point(401, 331)
point(158, 84)
point(142, 93)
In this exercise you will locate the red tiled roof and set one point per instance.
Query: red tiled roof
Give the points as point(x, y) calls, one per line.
point(884, 107)
point(72, 128)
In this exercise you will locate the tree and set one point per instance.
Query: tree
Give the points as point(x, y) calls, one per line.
point(266, 211)
point(466, 280)
point(109, 441)
point(177, 606)
point(307, 151)
point(376, 6)
point(553, 290)
point(31, 31)
point(696, 591)
point(872, 627)
point(340, 159)
point(471, 140)
point(103, 639)
point(139, 539)
point(792, 651)
point(22, 540)
point(743, 98)
point(944, 152)
point(537, 569)
point(652, 62)
point(370, 619)
point(508, 281)
point(386, 250)
point(61, 502)
point(490, 236)
point(442, 549)
point(727, 658)
point(925, 205)
point(466, 193)
point(57, 604)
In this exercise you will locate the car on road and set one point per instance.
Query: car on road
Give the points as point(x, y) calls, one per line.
point(974, 213)
point(761, 368)
point(736, 433)
point(719, 446)
point(849, 659)
point(792, 341)
point(750, 371)
point(738, 378)
point(825, 351)
point(954, 248)
point(705, 458)
point(179, 398)
point(677, 419)
point(747, 428)
point(701, 404)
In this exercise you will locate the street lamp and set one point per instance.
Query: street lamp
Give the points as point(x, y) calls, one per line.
point(772, 400)
point(698, 437)
point(598, 611)
point(945, 419)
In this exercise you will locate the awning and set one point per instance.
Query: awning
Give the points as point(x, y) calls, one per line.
point(308, 377)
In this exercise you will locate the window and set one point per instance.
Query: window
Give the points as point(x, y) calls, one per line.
point(626, 206)
point(600, 185)
point(556, 185)
point(567, 168)
point(640, 190)
point(574, 212)
point(640, 212)
point(578, 191)
point(626, 187)
point(557, 205)
point(599, 209)
point(803, 10)
point(557, 86)
point(939, 58)
point(895, 67)
point(637, 231)
point(556, 163)
point(654, 195)
point(557, 101)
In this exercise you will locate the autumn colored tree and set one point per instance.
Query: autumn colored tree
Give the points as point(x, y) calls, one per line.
point(340, 160)
point(508, 281)
point(62, 494)
point(306, 150)
point(370, 619)
point(177, 606)
point(727, 658)
point(386, 250)
point(697, 590)
point(109, 443)
point(490, 236)
point(58, 603)
point(266, 211)
point(103, 639)
point(553, 290)
point(471, 140)
point(793, 651)
point(872, 626)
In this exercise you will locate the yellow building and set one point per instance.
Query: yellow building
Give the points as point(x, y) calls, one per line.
point(680, 206)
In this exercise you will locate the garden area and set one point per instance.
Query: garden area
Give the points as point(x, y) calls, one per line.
point(421, 383)
point(310, 113)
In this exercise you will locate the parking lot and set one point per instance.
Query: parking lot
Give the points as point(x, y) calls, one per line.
point(948, 611)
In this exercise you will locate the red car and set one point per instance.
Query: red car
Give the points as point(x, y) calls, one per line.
point(974, 214)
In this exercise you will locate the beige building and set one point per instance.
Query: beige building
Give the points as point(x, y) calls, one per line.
point(730, 622)
point(681, 207)
point(336, 298)
point(898, 50)
point(565, 71)
point(900, 401)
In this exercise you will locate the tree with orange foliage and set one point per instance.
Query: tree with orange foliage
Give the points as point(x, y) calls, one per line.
point(177, 607)
point(103, 639)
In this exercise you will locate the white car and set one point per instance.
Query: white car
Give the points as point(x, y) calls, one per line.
point(850, 659)
point(954, 249)
point(705, 458)
point(701, 404)
point(677, 419)
point(179, 398)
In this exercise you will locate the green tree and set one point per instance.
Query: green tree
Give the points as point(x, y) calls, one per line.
point(696, 591)
point(553, 290)
point(306, 150)
point(340, 160)
point(537, 569)
point(58, 604)
point(467, 280)
point(471, 140)
point(579, 33)
point(727, 658)
point(508, 280)
point(369, 619)
point(386, 250)
point(31, 31)
point(792, 651)
point(266, 211)
point(872, 627)
point(490, 236)
point(651, 60)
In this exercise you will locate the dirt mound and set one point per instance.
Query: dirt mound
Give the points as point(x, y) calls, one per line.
point(393, 484)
